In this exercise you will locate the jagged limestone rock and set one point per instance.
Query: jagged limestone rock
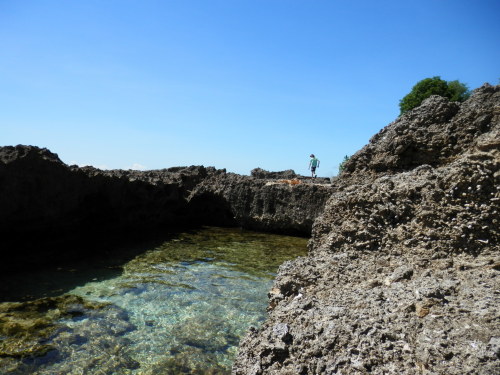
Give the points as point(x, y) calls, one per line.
point(402, 275)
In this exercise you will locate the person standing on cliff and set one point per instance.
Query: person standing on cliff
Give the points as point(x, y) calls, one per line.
point(313, 164)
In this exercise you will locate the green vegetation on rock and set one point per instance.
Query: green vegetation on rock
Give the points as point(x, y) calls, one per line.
point(343, 163)
point(453, 90)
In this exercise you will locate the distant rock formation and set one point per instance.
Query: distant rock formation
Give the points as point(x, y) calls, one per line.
point(49, 210)
point(273, 205)
point(261, 173)
point(402, 276)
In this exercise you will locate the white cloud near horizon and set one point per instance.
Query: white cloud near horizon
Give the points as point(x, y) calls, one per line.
point(81, 165)
point(134, 166)
point(137, 166)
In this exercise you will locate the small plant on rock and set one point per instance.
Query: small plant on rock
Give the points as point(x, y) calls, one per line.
point(342, 165)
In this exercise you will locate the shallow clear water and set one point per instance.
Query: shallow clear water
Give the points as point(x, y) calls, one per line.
point(179, 308)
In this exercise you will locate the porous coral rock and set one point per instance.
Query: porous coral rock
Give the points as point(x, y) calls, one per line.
point(402, 275)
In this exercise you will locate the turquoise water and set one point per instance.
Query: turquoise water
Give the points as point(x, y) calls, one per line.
point(179, 308)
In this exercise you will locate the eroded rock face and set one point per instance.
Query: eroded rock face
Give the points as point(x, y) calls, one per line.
point(261, 173)
point(281, 206)
point(49, 210)
point(403, 271)
point(434, 133)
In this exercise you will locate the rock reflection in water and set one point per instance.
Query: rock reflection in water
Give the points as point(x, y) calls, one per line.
point(179, 308)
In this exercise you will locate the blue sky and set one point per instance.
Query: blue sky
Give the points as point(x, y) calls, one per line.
point(234, 84)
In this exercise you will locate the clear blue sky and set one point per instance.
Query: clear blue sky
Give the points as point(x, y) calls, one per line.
point(234, 84)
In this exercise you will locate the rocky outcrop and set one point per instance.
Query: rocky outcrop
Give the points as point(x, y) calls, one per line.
point(402, 275)
point(261, 173)
point(49, 210)
point(280, 206)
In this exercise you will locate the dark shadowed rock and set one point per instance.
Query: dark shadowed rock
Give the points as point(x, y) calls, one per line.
point(50, 211)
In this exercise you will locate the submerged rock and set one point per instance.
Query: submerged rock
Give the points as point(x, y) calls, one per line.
point(402, 275)
point(26, 327)
point(41, 332)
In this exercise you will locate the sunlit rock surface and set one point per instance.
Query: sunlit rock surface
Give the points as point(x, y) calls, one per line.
point(402, 275)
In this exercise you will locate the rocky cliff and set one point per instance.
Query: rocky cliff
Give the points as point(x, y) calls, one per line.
point(280, 206)
point(402, 275)
point(49, 210)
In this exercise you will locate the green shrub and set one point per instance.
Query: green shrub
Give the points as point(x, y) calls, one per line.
point(453, 90)
point(342, 165)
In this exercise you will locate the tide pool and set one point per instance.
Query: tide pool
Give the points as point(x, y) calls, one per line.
point(178, 308)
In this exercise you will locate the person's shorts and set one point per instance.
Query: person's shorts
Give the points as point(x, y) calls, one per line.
point(313, 169)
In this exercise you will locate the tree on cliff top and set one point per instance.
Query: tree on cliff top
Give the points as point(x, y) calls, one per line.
point(453, 90)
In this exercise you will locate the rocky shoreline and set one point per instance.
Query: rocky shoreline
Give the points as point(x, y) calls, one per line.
point(49, 210)
point(402, 275)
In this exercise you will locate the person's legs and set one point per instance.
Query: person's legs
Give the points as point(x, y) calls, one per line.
point(313, 172)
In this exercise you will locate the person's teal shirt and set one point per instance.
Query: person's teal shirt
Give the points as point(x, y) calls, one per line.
point(314, 162)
